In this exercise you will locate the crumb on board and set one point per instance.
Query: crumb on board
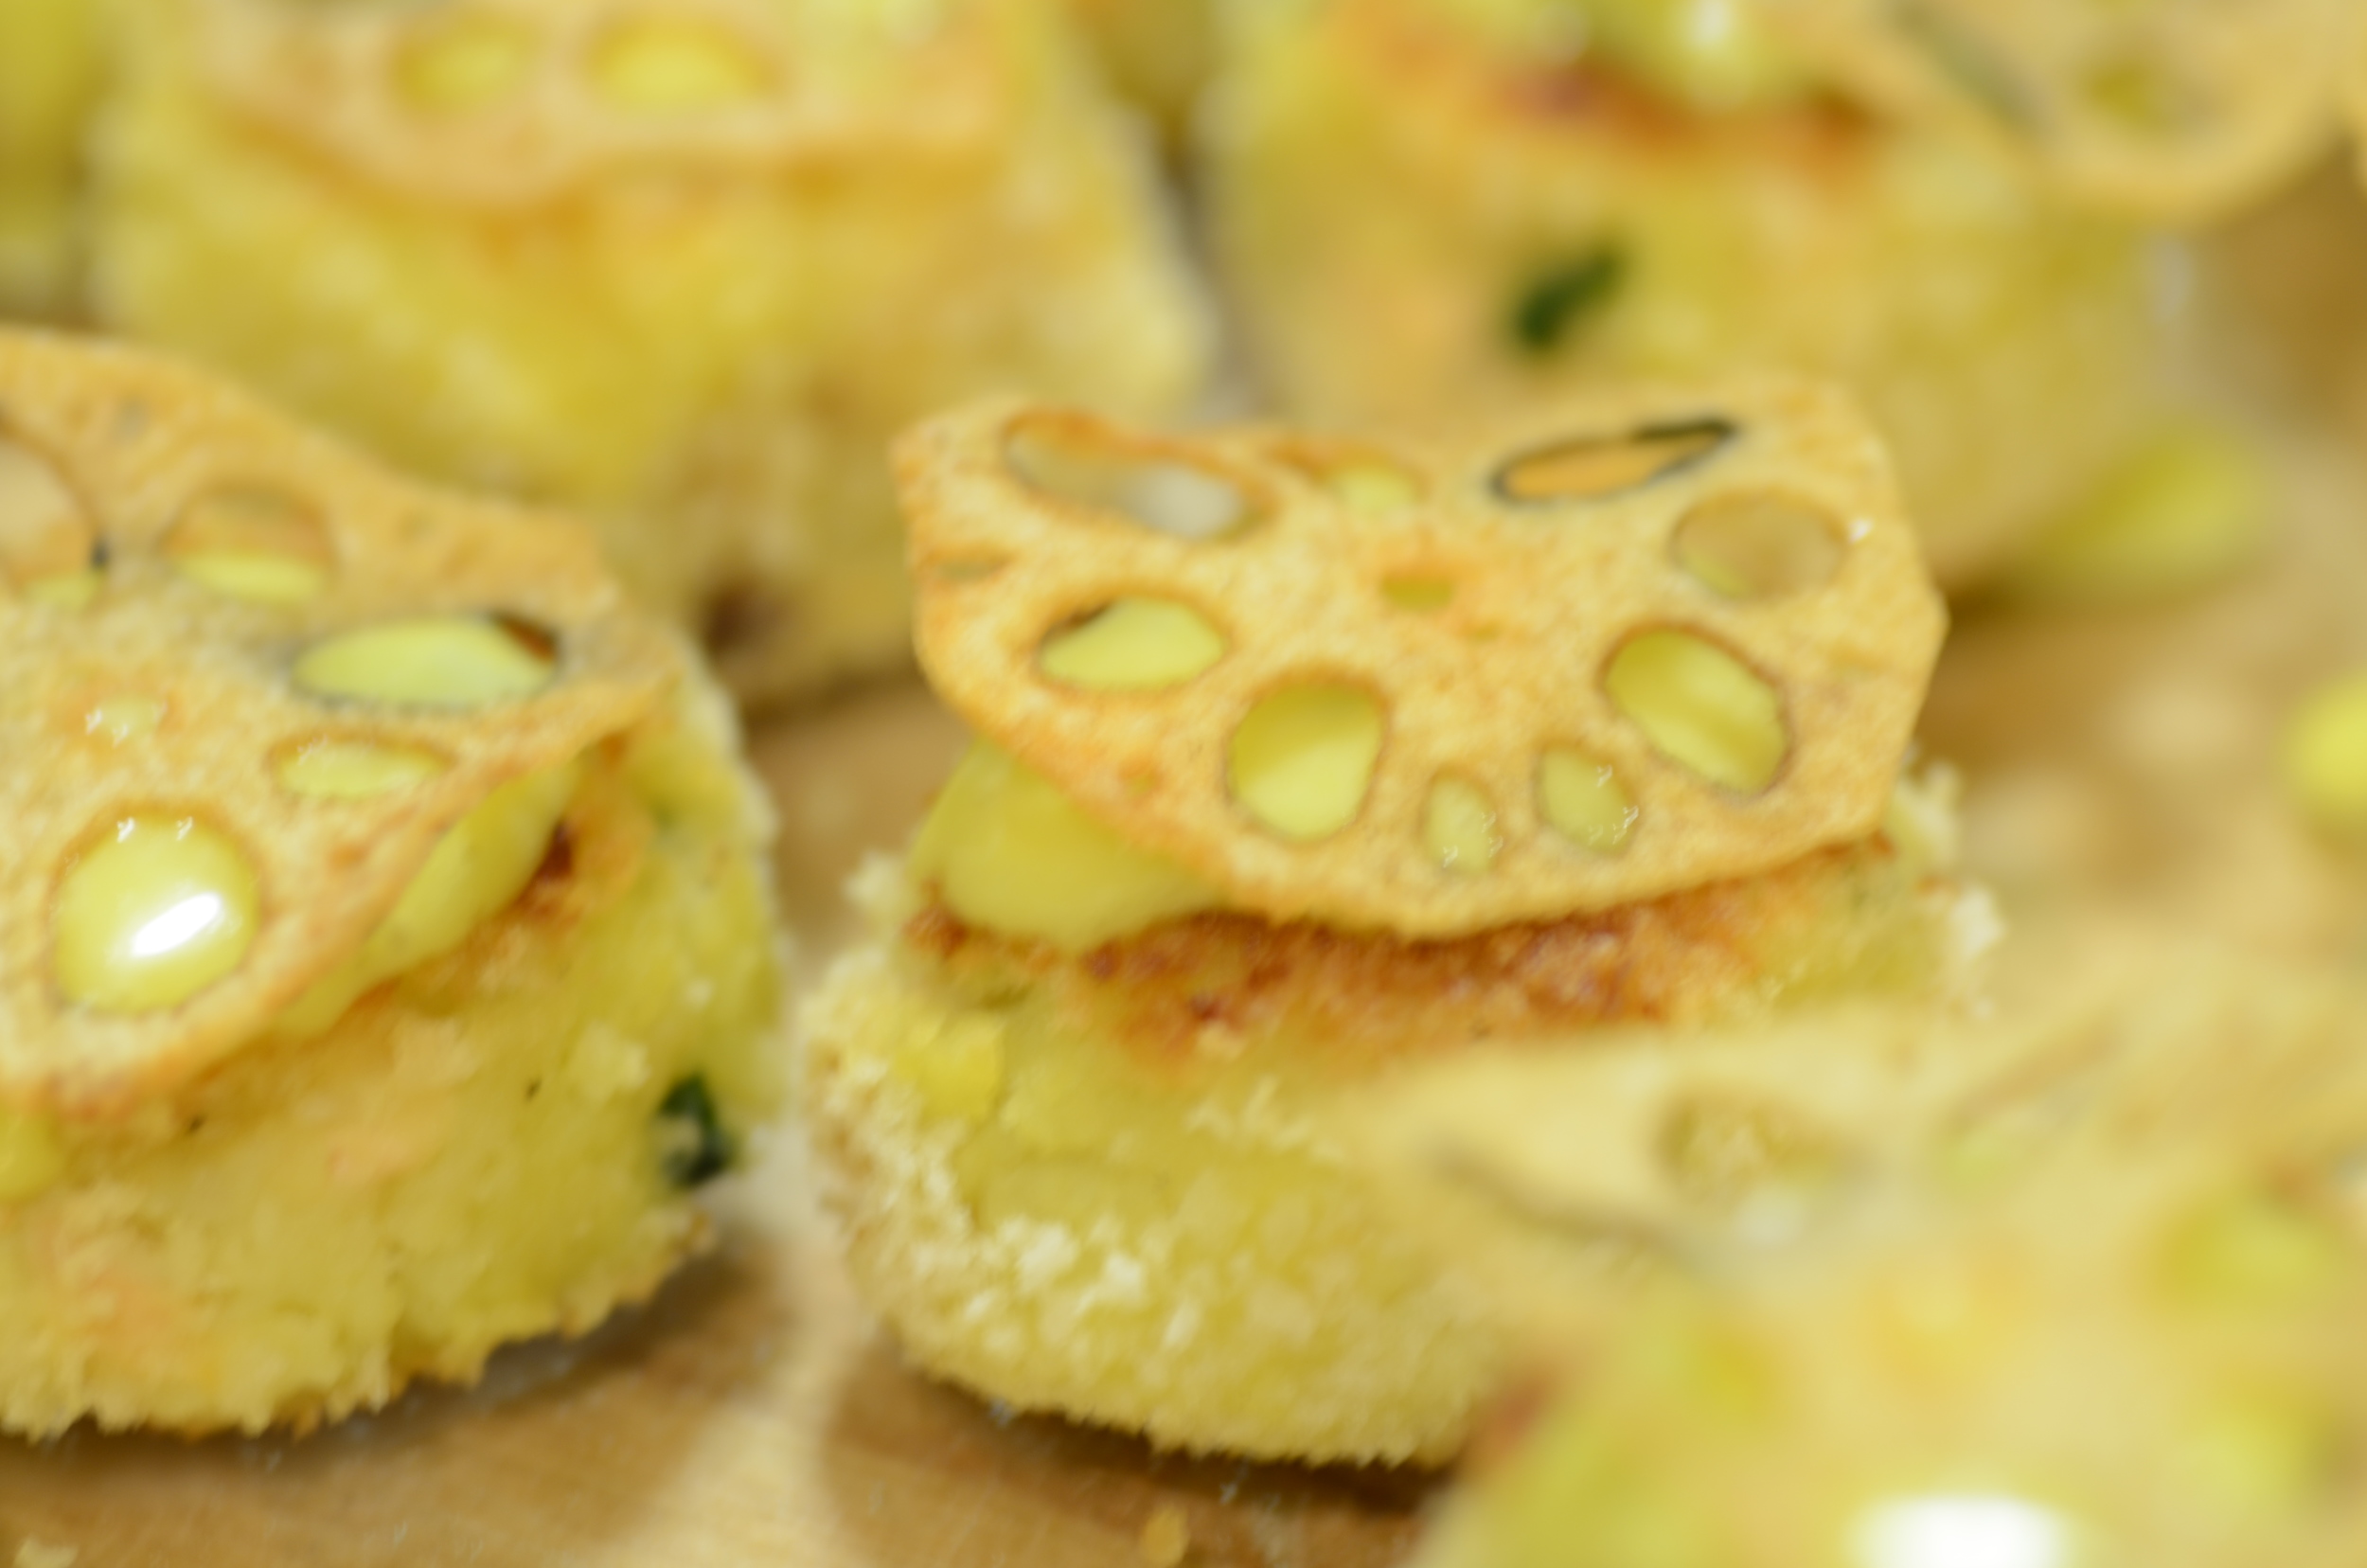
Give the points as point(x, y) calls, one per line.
point(1167, 1539)
point(40, 1554)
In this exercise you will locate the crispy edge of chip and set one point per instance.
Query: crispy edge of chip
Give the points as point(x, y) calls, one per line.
point(1483, 691)
point(328, 79)
point(138, 436)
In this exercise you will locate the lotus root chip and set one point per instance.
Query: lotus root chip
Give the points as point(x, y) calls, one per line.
point(1477, 602)
point(163, 705)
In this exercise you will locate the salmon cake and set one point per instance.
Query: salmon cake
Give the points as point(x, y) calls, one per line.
point(683, 266)
point(389, 951)
point(1425, 207)
point(1300, 761)
point(2078, 1287)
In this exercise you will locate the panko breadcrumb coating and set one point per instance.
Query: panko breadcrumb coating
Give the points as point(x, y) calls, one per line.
point(1069, 1106)
point(685, 267)
point(389, 948)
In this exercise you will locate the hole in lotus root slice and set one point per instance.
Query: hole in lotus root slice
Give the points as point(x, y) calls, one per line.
point(1134, 645)
point(1343, 648)
point(669, 64)
point(157, 908)
point(1302, 761)
point(1594, 468)
point(335, 767)
point(251, 543)
point(48, 548)
point(2174, 111)
point(1581, 799)
point(434, 662)
point(1702, 707)
point(1365, 481)
point(465, 60)
point(135, 958)
point(1460, 827)
point(1091, 467)
point(1758, 546)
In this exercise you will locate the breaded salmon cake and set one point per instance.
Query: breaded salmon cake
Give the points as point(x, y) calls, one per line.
point(49, 78)
point(1427, 206)
point(388, 948)
point(2076, 1288)
point(1068, 1104)
point(683, 265)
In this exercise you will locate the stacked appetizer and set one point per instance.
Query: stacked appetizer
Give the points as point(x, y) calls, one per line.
point(387, 951)
point(1299, 760)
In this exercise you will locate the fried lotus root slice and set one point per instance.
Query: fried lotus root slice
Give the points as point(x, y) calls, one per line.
point(1440, 687)
point(503, 102)
point(2176, 111)
point(276, 677)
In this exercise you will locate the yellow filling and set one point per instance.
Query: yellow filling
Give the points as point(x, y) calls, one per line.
point(1583, 801)
point(1703, 709)
point(257, 577)
point(1007, 851)
point(152, 914)
point(354, 769)
point(1459, 826)
point(479, 868)
point(1303, 759)
point(1134, 645)
point(459, 661)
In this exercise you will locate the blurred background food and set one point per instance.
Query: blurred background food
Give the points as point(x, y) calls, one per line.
point(684, 269)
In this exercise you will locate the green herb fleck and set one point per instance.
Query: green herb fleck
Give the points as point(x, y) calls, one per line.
point(1555, 305)
point(693, 1146)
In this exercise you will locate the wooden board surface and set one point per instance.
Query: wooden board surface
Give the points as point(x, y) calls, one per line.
point(750, 1417)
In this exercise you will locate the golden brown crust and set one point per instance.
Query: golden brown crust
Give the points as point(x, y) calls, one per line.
point(1226, 982)
point(136, 440)
point(1545, 590)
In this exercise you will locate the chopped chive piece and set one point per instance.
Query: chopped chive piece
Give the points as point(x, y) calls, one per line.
point(1565, 297)
point(694, 1148)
